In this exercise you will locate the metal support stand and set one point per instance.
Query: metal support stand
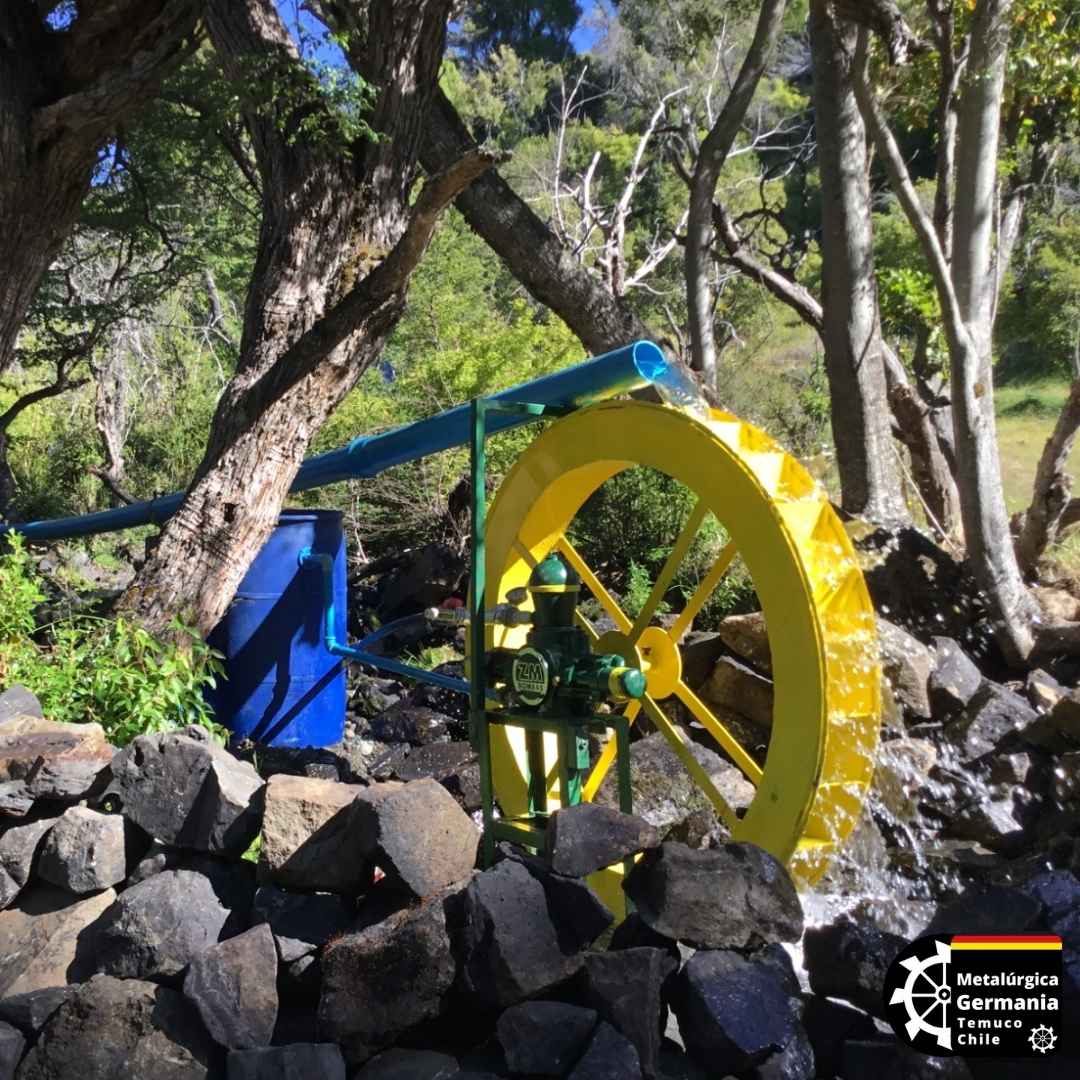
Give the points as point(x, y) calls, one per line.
point(572, 732)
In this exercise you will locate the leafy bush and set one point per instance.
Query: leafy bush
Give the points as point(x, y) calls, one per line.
point(86, 668)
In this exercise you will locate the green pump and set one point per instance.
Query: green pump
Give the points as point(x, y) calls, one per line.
point(556, 673)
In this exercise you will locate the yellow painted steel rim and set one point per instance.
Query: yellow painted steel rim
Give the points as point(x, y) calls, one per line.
point(820, 620)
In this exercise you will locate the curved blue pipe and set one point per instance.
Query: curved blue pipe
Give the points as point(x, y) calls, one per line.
point(621, 371)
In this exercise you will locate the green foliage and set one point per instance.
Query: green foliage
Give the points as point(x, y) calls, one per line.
point(86, 668)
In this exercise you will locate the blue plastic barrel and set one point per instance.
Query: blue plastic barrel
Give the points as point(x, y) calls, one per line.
point(283, 687)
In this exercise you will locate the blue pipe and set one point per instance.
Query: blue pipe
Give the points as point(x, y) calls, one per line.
point(360, 655)
point(621, 371)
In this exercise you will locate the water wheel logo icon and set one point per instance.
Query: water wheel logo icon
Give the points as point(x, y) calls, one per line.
point(926, 995)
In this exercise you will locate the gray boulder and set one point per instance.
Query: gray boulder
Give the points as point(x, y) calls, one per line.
point(987, 909)
point(401, 1064)
point(733, 1014)
point(298, 1061)
point(747, 636)
point(309, 836)
point(992, 713)
point(44, 759)
point(187, 792)
point(155, 929)
point(122, 1029)
point(906, 664)
point(233, 985)
point(664, 794)
point(510, 947)
point(848, 960)
point(385, 979)
point(301, 922)
point(416, 834)
point(28, 1012)
point(85, 851)
point(584, 838)
point(737, 896)
point(609, 1056)
point(544, 1038)
point(739, 688)
point(16, 700)
point(12, 1045)
point(627, 989)
point(1057, 731)
point(19, 848)
point(45, 939)
point(954, 680)
point(405, 723)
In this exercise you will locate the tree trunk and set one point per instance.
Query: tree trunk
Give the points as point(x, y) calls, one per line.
point(711, 157)
point(869, 473)
point(62, 95)
point(531, 251)
point(338, 242)
point(1053, 485)
point(966, 292)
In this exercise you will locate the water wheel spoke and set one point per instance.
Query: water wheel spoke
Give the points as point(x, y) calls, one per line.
point(606, 758)
point(682, 749)
point(603, 597)
point(734, 749)
point(703, 591)
point(667, 572)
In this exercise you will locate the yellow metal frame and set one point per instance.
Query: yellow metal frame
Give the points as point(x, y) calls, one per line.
point(820, 619)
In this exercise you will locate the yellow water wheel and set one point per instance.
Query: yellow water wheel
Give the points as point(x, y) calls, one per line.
point(818, 614)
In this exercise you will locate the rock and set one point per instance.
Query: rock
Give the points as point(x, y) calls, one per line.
point(187, 793)
point(699, 651)
point(848, 960)
point(1058, 730)
point(1065, 780)
point(737, 896)
point(829, 1024)
point(15, 701)
point(12, 1045)
point(233, 987)
point(400, 1064)
point(49, 760)
point(510, 947)
point(887, 1060)
point(634, 933)
point(155, 929)
point(901, 772)
point(733, 1014)
point(301, 922)
point(544, 1038)
point(992, 713)
point(587, 837)
point(1059, 893)
point(663, 792)
point(84, 851)
point(993, 819)
point(45, 938)
point(906, 664)
point(385, 979)
point(610, 1056)
point(309, 836)
point(29, 1012)
point(424, 578)
point(453, 764)
point(299, 1061)
point(953, 680)
point(406, 723)
point(579, 915)
point(626, 989)
point(1043, 690)
point(736, 686)
point(122, 1029)
point(746, 636)
point(417, 835)
point(19, 846)
point(986, 909)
